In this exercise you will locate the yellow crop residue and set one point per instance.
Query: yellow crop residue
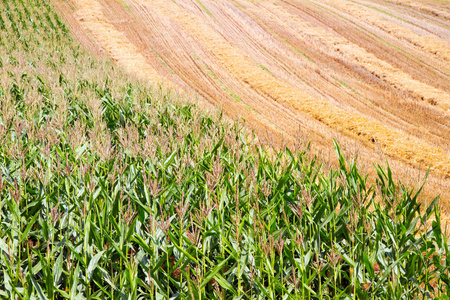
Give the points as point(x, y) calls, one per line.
point(435, 8)
point(89, 14)
point(364, 12)
point(339, 47)
point(235, 62)
point(375, 72)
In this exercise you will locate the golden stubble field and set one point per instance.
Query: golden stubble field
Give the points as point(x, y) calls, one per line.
point(373, 74)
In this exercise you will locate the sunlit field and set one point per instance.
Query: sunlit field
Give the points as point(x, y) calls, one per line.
point(373, 74)
point(114, 188)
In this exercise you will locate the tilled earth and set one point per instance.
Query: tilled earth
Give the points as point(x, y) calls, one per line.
point(373, 74)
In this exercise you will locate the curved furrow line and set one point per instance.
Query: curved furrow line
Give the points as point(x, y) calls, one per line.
point(439, 10)
point(137, 34)
point(268, 52)
point(297, 67)
point(373, 99)
point(389, 95)
point(245, 70)
point(399, 53)
point(90, 15)
point(434, 49)
point(196, 67)
point(419, 23)
point(318, 74)
point(347, 43)
point(376, 42)
point(286, 64)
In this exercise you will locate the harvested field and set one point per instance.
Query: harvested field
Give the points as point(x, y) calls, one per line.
point(374, 74)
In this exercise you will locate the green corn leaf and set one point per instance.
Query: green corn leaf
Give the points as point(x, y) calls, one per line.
point(214, 272)
point(37, 288)
point(7, 282)
point(28, 228)
point(368, 265)
point(57, 269)
point(87, 231)
point(93, 265)
point(73, 290)
point(170, 159)
point(224, 283)
point(116, 247)
point(3, 246)
point(344, 255)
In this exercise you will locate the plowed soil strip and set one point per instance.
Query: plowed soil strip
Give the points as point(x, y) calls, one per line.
point(322, 65)
point(90, 15)
point(439, 9)
point(432, 45)
point(370, 98)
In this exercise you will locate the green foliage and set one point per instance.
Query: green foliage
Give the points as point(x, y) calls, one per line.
point(111, 190)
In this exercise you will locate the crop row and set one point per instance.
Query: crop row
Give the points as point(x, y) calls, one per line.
point(113, 189)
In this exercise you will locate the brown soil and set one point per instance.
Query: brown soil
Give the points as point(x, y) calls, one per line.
point(373, 74)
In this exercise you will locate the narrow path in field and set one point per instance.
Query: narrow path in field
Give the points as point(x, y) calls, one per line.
point(373, 72)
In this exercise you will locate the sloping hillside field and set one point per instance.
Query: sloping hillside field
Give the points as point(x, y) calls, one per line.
point(376, 73)
point(112, 187)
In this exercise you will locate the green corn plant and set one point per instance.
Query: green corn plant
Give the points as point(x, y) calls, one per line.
point(113, 189)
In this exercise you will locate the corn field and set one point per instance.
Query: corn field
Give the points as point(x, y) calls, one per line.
point(113, 189)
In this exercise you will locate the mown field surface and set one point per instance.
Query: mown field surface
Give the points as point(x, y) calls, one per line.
point(111, 188)
point(373, 73)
